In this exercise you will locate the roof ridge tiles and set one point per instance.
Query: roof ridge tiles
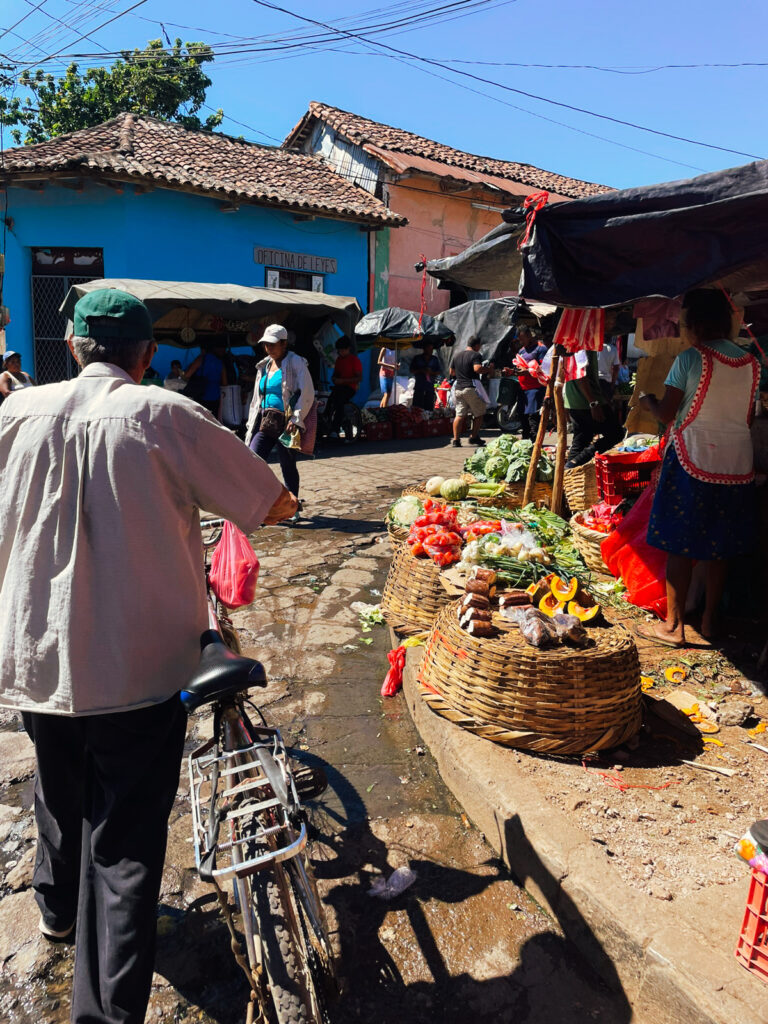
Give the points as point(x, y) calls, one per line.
point(365, 131)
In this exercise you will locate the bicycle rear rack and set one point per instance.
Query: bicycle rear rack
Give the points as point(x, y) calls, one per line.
point(245, 799)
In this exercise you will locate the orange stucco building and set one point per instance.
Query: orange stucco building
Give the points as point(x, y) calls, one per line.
point(450, 198)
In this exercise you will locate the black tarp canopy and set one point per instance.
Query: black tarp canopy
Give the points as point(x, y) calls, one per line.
point(401, 326)
point(611, 249)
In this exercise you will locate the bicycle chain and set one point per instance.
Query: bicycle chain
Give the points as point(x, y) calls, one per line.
point(255, 977)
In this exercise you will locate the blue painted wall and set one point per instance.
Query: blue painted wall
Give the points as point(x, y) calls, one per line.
point(171, 236)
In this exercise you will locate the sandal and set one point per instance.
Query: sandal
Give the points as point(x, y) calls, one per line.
point(650, 635)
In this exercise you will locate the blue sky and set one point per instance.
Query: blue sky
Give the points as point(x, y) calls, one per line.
point(717, 105)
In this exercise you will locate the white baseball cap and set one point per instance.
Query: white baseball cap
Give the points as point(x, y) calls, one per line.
point(8, 355)
point(273, 334)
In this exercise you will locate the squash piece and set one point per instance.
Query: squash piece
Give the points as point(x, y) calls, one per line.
point(563, 591)
point(584, 614)
point(676, 674)
point(708, 727)
point(711, 739)
point(550, 605)
point(646, 683)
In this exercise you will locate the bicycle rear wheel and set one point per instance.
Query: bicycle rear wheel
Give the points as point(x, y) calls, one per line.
point(298, 980)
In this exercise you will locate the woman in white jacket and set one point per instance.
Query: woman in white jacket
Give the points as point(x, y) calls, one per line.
point(283, 399)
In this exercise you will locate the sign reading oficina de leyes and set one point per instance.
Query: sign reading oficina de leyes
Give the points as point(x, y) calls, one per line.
point(300, 261)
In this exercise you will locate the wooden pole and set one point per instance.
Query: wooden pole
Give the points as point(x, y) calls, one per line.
point(562, 442)
point(543, 424)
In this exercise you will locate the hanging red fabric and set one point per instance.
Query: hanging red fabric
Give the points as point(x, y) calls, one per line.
point(532, 204)
point(423, 303)
point(580, 330)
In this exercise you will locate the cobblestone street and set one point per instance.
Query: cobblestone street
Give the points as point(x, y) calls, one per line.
point(463, 942)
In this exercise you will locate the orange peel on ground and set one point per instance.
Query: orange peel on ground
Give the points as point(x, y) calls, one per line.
point(711, 739)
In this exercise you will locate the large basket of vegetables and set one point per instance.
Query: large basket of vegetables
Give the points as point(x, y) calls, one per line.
point(558, 700)
point(505, 460)
point(413, 594)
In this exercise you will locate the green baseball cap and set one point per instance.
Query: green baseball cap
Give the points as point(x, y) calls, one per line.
point(109, 313)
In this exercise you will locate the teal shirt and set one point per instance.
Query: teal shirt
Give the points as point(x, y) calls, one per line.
point(272, 391)
point(685, 372)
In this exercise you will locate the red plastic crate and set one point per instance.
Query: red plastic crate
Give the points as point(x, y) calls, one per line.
point(378, 431)
point(619, 476)
point(752, 947)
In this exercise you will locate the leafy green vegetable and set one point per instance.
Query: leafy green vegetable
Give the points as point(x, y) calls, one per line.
point(405, 510)
point(496, 467)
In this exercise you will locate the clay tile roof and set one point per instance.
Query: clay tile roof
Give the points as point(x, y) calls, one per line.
point(362, 131)
point(147, 149)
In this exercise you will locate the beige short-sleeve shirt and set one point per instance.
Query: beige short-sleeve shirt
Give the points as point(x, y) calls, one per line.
point(102, 594)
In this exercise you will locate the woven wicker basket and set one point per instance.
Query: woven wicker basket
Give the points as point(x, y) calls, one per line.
point(413, 594)
point(588, 543)
point(580, 485)
point(558, 701)
point(397, 535)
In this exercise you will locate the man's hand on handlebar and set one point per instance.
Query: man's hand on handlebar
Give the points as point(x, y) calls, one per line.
point(285, 507)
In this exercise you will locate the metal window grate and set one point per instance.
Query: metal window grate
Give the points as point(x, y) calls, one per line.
point(52, 357)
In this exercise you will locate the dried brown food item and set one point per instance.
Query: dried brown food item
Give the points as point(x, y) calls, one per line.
point(475, 601)
point(480, 629)
point(569, 628)
point(514, 597)
point(478, 587)
point(485, 575)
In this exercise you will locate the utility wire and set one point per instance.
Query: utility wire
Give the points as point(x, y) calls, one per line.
point(29, 14)
point(104, 24)
point(507, 88)
point(629, 69)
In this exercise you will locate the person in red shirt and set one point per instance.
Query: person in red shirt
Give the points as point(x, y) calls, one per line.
point(347, 374)
point(532, 391)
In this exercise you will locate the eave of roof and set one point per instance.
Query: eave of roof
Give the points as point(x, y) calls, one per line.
point(109, 151)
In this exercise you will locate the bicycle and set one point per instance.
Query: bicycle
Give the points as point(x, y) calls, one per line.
point(351, 423)
point(250, 829)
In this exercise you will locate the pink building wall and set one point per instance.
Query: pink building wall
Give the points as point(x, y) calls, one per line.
point(439, 224)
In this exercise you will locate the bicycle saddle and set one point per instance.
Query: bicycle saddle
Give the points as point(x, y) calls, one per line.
point(220, 672)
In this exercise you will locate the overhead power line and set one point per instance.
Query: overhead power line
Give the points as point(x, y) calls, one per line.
point(628, 69)
point(507, 88)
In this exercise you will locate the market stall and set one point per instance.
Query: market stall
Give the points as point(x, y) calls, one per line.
point(521, 646)
point(188, 313)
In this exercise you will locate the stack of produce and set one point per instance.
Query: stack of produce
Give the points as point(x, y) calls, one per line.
point(505, 459)
point(435, 535)
point(461, 490)
point(602, 517)
point(475, 614)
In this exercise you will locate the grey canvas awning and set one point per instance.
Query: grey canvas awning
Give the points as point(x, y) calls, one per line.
point(177, 304)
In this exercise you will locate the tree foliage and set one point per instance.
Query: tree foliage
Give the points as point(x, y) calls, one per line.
point(165, 82)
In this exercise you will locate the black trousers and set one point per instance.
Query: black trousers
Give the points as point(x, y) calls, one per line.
point(263, 445)
point(585, 429)
point(104, 790)
point(334, 407)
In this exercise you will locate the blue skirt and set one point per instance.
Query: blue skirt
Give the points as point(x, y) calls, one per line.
point(700, 520)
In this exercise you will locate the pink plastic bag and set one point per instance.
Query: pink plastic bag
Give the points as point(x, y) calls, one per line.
point(234, 568)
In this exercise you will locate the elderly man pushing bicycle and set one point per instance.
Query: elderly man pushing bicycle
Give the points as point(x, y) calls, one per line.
point(102, 602)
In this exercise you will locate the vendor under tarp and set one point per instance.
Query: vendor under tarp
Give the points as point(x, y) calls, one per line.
point(622, 246)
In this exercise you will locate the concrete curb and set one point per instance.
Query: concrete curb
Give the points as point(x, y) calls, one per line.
point(657, 952)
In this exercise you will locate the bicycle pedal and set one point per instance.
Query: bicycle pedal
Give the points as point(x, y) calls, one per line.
point(310, 781)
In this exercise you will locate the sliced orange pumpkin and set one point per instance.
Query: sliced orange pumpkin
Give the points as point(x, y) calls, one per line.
point(708, 727)
point(588, 614)
point(676, 674)
point(550, 605)
point(646, 683)
point(564, 592)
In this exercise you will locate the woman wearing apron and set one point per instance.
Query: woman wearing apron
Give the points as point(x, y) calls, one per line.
point(704, 508)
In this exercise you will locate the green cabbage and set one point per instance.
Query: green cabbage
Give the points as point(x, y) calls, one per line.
point(454, 490)
point(496, 467)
